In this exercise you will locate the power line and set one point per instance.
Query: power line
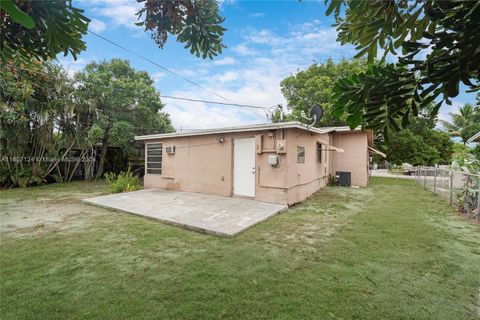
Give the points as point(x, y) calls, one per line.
point(213, 102)
point(162, 67)
point(162, 96)
point(158, 65)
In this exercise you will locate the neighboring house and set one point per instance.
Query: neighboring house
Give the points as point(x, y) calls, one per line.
point(475, 138)
point(276, 162)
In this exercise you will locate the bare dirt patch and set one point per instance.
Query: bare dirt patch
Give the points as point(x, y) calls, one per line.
point(39, 207)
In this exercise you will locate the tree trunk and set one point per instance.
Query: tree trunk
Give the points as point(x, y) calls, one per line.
point(103, 154)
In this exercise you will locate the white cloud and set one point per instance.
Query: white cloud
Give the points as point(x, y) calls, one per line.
point(305, 43)
point(255, 85)
point(203, 116)
point(243, 50)
point(224, 61)
point(445, 110)
point(263, 37)
point(72, 66)
point(223, 3)
point(228, 76)
point(97, 25)
point(200, 116)
point(256, 15)
point(121, 15)
point(118, 12)
point(157, 76)
point(192, 73)
point(253, 75)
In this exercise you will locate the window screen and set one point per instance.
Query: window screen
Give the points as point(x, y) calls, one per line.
point(154, 158)
point(300, 154)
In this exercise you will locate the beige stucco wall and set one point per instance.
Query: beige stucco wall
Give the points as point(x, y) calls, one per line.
point(355, 157)
point(201, 164)
point(303, 179)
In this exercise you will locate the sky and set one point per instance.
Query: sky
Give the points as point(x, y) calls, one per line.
point(266, 41)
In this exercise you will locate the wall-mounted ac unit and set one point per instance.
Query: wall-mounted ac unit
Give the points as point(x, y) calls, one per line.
point(170, 149)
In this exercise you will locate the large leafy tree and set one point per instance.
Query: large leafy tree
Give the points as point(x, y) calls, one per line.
point(45, 115)
point(313, 86)
point(125, 104)
point(195, 23)
point(37, 120)
point(437, 44)
point(40, 30)
point(419, 144)
point(465, 123)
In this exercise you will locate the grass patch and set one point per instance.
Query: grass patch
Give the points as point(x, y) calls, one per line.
point(389, 251)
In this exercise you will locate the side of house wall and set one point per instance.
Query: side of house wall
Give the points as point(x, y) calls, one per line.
point(202, 164)
point(194, 166)
point(304, 179)
point(355, 156)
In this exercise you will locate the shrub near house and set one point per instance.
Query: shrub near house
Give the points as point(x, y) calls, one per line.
point(123, 182)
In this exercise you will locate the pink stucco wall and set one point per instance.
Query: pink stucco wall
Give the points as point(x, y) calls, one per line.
point(355, 157)
point(303, 179)
point(201, 164)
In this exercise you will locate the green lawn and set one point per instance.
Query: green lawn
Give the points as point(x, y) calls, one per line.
point(389, 251)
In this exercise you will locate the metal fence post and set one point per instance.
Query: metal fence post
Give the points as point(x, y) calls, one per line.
point(435, 180)
point(451, 187)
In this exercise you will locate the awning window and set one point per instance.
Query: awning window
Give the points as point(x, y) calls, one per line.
point(332, 148)
point(380, 153)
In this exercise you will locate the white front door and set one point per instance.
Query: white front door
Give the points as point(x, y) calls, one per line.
point(244, 167)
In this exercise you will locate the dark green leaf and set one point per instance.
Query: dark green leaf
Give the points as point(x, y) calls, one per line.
point(16, 14)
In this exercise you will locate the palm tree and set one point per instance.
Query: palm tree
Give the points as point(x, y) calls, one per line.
point(464, 123)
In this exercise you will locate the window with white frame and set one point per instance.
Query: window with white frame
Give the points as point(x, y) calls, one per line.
point(154, 158)
point(300, 154)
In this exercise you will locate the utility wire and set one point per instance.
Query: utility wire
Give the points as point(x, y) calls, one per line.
point(158, 65)
point(213, 102)
point(162, 67)
point(162, 96)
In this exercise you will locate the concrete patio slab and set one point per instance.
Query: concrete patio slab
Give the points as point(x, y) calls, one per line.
point(223, 216)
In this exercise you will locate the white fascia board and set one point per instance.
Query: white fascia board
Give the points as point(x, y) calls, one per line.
point(255, 127)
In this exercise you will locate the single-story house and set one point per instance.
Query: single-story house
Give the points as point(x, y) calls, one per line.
point(276, 162)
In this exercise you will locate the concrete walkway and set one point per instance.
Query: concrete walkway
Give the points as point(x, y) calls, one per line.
point(223, 216)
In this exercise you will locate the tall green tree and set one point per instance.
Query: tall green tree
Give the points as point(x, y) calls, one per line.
point(419, 144)
point(37, 120)
point(437, 43)
point(314, 85)
point(40, 30)
point(125, 103)
point(465, 123)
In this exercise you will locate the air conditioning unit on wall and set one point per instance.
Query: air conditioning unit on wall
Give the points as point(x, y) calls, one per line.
point(170, 149)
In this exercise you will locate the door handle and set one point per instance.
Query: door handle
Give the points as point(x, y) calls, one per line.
point(253, 170)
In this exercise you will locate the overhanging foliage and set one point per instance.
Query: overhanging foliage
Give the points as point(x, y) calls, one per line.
point(438, 43)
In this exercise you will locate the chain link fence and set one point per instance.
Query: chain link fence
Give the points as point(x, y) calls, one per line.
point(460, 189)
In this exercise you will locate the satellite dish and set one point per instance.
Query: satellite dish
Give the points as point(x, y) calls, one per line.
point(316, 113)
